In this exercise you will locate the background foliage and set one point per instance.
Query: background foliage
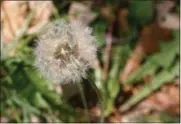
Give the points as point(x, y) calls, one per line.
point(152, 53)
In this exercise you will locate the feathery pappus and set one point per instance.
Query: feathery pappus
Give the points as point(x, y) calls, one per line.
point(65, 51)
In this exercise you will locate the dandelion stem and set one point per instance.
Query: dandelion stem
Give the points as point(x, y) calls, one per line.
point(100, 98)
point(84, 100)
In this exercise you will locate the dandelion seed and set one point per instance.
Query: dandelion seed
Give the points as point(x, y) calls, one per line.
point(65, 51)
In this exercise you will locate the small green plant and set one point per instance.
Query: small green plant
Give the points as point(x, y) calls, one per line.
point(167, 60)
point(25, 93)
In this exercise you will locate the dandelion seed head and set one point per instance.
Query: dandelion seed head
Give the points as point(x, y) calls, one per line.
point(65, 51)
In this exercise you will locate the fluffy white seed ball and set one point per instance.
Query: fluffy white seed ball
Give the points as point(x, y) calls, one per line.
point(65, 51)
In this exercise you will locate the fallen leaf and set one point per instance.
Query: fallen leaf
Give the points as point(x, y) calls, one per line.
point(81, 12)
point(165, 18)
point(44, 10)
point(14, 14)
point(13, 18)
point(171, 21)
point(165, 100)
point(151, 35)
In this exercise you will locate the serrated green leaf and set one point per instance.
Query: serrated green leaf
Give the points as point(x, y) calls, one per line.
point(172, 45)
point(147, 69)
point(163, 59)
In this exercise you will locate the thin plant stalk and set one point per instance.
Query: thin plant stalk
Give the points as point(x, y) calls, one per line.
point(100, 98)
point(84, 100)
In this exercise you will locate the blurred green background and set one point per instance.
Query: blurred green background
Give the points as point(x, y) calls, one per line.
point(136, 78)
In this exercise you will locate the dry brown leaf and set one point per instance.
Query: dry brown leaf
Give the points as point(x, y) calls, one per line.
point(164, 6)
point(81, 12)
point(164, 100)
point(171, 21)
point(44, 10)
point(14, 14)
point(165, 18)
point(151, 35)
point(167, 100)
point(13, 18)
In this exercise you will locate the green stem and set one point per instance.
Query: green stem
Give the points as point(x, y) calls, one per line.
point(100, 98)
point(101, 102)
point(84, 100)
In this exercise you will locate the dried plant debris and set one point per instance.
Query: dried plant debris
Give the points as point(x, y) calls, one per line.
point(81, 11)
point(43, 12)
point(11, 22)
point(166, 100)
point(14, 14)
point(165, 17)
